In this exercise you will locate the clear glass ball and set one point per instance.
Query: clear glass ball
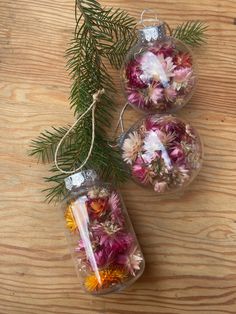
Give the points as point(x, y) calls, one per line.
point(159, 76)
point(162, 152)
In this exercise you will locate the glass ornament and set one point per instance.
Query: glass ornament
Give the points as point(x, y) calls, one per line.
point(104, 246)
point(162, 152)
point(159, 72)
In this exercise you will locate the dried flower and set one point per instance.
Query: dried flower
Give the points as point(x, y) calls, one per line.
point(133, 73)
point(140, 172)
point(97, 206)
point(156, 68)
point(131, 260)
point(93, 192)
point(183, 59)
point(137, 97)
point(96, 192)
point(116, 213)
point(181, 77)
point(104, 257)
point(111, 236)
point(106, 279)
point(131, 147)
point(177, 154)
point(70, 220)
point(170, 93)
point(160, 187)
point(155, 93)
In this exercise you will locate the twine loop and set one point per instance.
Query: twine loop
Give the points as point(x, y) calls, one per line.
point(92, 107)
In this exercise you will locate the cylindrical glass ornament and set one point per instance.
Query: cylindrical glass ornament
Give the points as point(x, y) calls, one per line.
point(162, 151)
point(104, 246)
point(159, 72)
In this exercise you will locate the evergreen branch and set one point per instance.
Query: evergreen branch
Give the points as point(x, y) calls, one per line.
point(101, 35)
point(44, 146)
point(191, 33)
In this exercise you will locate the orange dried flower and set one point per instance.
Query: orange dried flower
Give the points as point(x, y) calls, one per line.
point(70, 220)
point(108, 277)
point(97, 206)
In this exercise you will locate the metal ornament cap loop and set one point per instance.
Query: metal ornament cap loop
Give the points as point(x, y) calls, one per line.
point(79, 178)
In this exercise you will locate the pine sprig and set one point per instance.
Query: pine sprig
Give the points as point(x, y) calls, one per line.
point(191, 33)
point(94, 42)
point(101, 35)
point(45, 145)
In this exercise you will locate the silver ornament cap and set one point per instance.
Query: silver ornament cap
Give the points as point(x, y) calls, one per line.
point(79, 178)
point(152, 33)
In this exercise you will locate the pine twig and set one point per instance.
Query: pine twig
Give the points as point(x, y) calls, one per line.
point(100, 34)
point(191, 33)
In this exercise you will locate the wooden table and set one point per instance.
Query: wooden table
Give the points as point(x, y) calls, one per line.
point(189, 243)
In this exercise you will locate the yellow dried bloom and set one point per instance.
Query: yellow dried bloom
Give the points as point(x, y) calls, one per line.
point(70, 220)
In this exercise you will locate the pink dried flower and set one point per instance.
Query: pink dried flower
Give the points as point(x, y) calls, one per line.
point(141, 173)
point(151, 123)
point(137, 98)
point(170, 93)
point(115, 209)
point(165, 49)
point(155, 93)
point(110, 236)
point(160, 186)
point(170, 124)
point(181, 77)
point(177, 154)
point(131, 260)
point(133, 72)
point(104, 257)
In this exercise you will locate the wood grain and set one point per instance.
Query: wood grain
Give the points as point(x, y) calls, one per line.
point(189, 243)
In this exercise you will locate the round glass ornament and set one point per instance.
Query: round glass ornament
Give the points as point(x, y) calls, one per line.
point(163, 152)
point(159, 73)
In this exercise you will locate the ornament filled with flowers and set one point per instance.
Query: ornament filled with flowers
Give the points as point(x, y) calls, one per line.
point(162, 151)
point(159, 72)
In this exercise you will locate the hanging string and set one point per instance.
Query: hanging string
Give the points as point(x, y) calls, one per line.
point(154, 20)
point(120, 123)
point(92, 107)
point(120, 120)
point(142, 20)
